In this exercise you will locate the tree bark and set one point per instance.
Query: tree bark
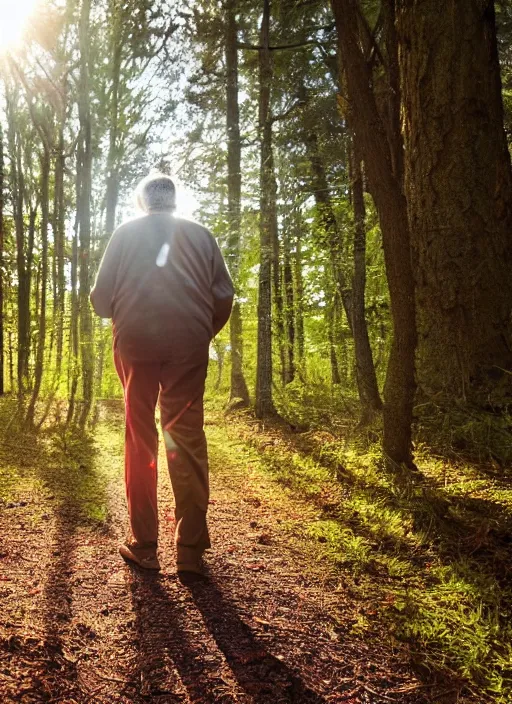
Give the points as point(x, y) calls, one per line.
point(60, 235)
point(298, 283)
point(264, 403)
point(288, 312)
point(392, 209)
point(2, 276)
point(458, 182)
point(354, 307)
point(18, 190)
point(365, 367)
point(277, 284)
point(112, 193)
point(238, 386)
point(84, 215)
point(331, 326)
point(41, 332)
point(74, 346)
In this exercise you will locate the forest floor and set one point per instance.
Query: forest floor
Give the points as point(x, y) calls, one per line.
point(277, 619)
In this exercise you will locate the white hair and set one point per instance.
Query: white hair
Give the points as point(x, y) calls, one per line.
point(156, 192)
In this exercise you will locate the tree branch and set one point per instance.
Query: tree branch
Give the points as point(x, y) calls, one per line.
point(285, 47)
point(298, 45)
point(374, 47)
point(286, 113)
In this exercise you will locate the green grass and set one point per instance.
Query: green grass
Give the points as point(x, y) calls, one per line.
point(57, 462)
point(431, 549)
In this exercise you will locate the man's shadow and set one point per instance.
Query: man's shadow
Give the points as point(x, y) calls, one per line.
point(175, 625)
point(257, 671)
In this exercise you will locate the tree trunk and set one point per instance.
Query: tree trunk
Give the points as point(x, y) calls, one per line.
point(365, 368)
point(458, 183)
point(17, 190)
point(74, 334)
point(11, 362)
point(331, 325)
point(288, 313)
point(60, 235)
point(101, 362)
point(2, 277)
point(238, 388)
point(112, 193)
point(298, 289)
point(84, 215)
point(277, 286)
point(264, 402)
point(41, 332)
point(391, 206)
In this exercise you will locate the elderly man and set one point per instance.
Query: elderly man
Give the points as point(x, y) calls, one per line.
point(165, 285)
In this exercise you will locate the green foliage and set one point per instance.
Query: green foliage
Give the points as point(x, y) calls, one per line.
point(460, 431)
point(58, 461)
point(429, 549)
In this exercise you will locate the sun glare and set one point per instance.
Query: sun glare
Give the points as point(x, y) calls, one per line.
point(14, 16)
point(186, 202)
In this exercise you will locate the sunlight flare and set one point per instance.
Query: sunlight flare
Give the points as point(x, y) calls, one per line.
point(15, 17)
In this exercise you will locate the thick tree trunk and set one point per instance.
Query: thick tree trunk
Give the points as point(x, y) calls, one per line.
point(391, 205)
point(238, 387)
point(458, 183)
point(264, 402)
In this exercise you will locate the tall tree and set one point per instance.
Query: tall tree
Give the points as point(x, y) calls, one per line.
point(41, 308)
point(365, 367)
point(264, 402)
point(238, 387)
point(458, 182)
point(84, 213)
point(2, 264)
point(370, 132)
point(23, 253)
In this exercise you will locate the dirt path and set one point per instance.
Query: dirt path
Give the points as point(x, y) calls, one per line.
point(78, 625)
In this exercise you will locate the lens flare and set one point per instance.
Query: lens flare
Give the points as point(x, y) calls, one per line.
point(13, 23)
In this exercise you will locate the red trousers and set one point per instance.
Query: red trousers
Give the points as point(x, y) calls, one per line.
point(181, 390)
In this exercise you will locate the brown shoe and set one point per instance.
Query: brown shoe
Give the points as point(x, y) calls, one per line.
point(191, 567)
point(143, 557)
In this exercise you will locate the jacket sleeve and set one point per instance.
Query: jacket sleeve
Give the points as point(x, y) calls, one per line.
point(103, 290)
point(222, 290)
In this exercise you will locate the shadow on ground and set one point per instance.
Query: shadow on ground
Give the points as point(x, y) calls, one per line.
point(66, 494)
point(193, 645)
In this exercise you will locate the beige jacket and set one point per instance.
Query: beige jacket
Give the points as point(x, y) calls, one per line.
point(165, 285)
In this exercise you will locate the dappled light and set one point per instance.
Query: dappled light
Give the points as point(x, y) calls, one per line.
point(255, 352)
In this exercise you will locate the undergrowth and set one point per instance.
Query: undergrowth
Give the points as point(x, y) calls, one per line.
point(431, 550)
point(57, 461)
